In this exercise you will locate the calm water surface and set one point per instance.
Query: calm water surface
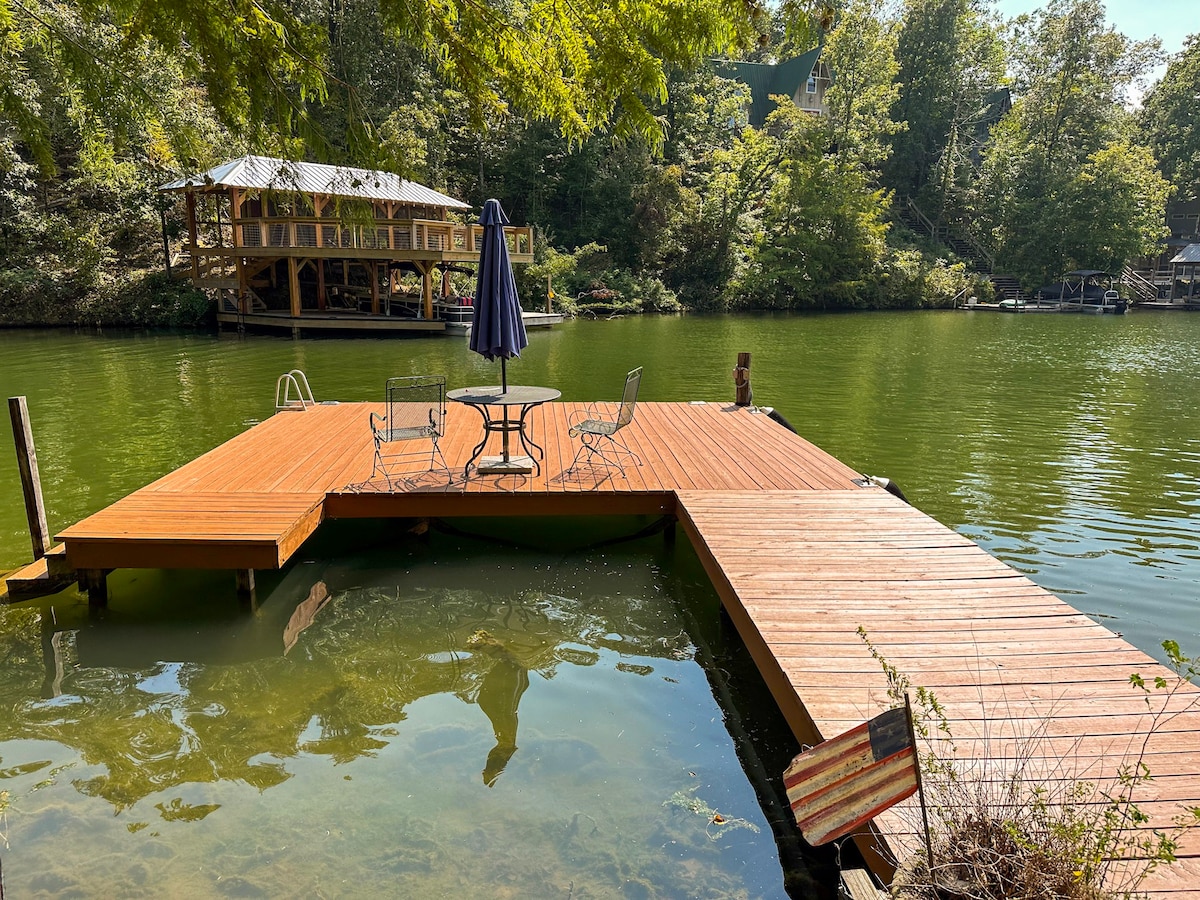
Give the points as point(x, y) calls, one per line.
point(173, 745)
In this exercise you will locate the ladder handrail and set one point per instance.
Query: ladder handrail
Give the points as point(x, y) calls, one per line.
point(289, 381)
point(1142, 286)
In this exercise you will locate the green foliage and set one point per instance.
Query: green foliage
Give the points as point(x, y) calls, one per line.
point(265, 66)
point(1015, 823)
point(950, 66)
point(1167, 111)
point(584, 284)
point(595, 124)
point(1052, 194)
point(861, 53)
point(134, 299)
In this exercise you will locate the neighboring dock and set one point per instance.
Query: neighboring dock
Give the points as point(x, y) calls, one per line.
point(802, 551)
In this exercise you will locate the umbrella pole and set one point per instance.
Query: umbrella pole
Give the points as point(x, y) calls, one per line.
point(504, 390)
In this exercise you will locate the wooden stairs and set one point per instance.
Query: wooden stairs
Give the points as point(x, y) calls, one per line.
point(41, 578)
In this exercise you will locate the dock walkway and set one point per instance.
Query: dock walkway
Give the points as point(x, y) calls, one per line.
point(802, 554)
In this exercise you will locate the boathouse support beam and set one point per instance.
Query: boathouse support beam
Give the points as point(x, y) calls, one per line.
point(294, 286)
point(427, 290)
point(31, 482)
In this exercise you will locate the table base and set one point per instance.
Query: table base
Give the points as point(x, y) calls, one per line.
point(498, 465)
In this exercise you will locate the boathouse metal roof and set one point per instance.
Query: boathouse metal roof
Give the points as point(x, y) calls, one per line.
point(270, 174)
point(1188, 255)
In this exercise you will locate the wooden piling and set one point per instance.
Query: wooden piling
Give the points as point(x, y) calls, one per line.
point(95, 582)
point(245, 583)
point(31, 484)
point(741, 380)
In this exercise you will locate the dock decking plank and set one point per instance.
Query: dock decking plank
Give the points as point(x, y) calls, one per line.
point(800, 553)
point(989, 668)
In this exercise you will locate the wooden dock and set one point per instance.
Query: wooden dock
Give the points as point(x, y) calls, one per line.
point(802, 553)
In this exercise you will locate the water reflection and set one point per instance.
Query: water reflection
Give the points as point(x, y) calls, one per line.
point(499, 695)
point(364, 698)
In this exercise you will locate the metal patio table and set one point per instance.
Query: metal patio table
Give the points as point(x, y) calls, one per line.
point(485, 400)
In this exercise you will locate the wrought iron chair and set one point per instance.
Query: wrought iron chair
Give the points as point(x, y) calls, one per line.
point(416, 411)
point(599, 435)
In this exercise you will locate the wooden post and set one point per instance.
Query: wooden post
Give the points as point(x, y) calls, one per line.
point(294, 286)
point(427, 292)
point(31, 483)
point(245, 583)
point(741, 380)
point(193, 236)
point(374, 269)
point(95, 582)
point(321, 299)
point(549, 295)
point(235, 215)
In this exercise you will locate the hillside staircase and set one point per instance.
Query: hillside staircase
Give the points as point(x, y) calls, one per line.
point(966, 246)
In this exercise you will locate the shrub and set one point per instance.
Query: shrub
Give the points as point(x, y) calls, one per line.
point(1009, 824)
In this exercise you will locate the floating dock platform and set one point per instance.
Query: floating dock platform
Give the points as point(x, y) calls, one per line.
point(802, 550)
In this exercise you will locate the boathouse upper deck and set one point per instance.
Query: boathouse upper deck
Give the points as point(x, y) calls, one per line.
point(325, 238)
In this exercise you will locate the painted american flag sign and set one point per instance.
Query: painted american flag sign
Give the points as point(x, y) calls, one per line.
point(844, 782)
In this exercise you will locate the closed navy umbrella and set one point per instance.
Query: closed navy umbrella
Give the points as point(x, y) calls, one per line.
point(497, 328)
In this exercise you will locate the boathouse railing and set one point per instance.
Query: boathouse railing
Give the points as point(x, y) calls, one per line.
point(383, 234)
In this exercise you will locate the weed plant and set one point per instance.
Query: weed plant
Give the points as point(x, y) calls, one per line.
point(1023, 820)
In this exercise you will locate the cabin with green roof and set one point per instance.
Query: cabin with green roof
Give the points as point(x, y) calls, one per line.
point(804, 78)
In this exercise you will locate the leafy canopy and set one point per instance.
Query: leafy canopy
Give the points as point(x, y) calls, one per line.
point(1168, 113)
point(264, 64)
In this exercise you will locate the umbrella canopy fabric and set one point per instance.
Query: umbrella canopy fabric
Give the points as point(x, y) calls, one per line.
point(497, 329)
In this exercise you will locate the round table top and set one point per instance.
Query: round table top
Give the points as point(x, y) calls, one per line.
point(492, 395)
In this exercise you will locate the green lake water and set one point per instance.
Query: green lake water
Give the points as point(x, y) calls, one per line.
point(518, 708)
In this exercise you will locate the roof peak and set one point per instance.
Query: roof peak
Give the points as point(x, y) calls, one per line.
point(254, 172)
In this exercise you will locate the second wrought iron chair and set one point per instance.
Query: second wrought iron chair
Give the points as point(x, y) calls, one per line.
point(416, 412)
point(600, 436)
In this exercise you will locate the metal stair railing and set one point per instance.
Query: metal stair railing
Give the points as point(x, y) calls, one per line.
point(1139, 284)
point(293, 393)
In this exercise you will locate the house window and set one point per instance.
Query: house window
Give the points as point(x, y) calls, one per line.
point(812, 82)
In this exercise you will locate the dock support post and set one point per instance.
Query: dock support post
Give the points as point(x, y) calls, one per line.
point(95, 582)
point(245, 584)
point(31, 483)
point(741, 380)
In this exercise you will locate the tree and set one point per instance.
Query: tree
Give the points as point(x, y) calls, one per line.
point(950, 65)
point(1071, 72)
point(1122, 182)
point(822, 232)
point(861, 54)
point(264, 64)
point(1168, 112)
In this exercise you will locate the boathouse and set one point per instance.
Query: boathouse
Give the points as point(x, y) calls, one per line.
point(288, 244)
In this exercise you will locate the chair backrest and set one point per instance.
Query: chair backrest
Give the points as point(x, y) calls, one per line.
point(416, 402)
point(629, 398)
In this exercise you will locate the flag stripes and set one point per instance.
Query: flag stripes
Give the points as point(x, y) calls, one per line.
point(842, 783)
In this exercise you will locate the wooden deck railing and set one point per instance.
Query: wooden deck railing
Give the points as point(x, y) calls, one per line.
point(382, 234)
